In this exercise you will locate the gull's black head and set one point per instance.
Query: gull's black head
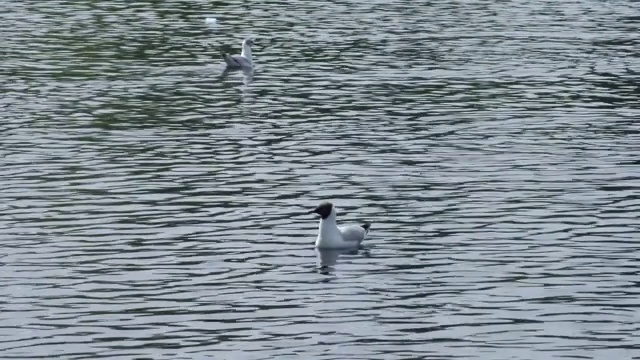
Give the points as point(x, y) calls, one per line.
point(249, 41)
point(324, 210)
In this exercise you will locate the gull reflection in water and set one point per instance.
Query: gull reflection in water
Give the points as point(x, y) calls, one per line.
point(327, 258)
point(247, 74)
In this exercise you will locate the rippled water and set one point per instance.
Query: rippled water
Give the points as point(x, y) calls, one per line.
point(152, 208)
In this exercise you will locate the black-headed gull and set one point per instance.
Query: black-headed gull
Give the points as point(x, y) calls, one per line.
point(242, 61)
point(330, 236)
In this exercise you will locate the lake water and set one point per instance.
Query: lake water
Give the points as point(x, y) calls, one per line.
point(151, 208)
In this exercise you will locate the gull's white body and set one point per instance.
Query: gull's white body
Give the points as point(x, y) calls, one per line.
point(242, 61)
point(330, 236)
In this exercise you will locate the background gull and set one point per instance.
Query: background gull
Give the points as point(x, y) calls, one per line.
point(244, 60)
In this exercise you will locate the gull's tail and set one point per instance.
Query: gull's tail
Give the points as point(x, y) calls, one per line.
point(366, 227)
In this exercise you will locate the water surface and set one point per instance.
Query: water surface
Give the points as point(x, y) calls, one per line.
point(152, 208)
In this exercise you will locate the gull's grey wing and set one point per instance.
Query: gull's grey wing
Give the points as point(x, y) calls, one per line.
point(236, 61)
point(243, 61)
point(231, 62)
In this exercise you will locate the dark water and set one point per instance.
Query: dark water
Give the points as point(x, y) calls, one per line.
point(150, 208)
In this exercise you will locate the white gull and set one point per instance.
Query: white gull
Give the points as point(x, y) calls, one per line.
point(330, 236)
